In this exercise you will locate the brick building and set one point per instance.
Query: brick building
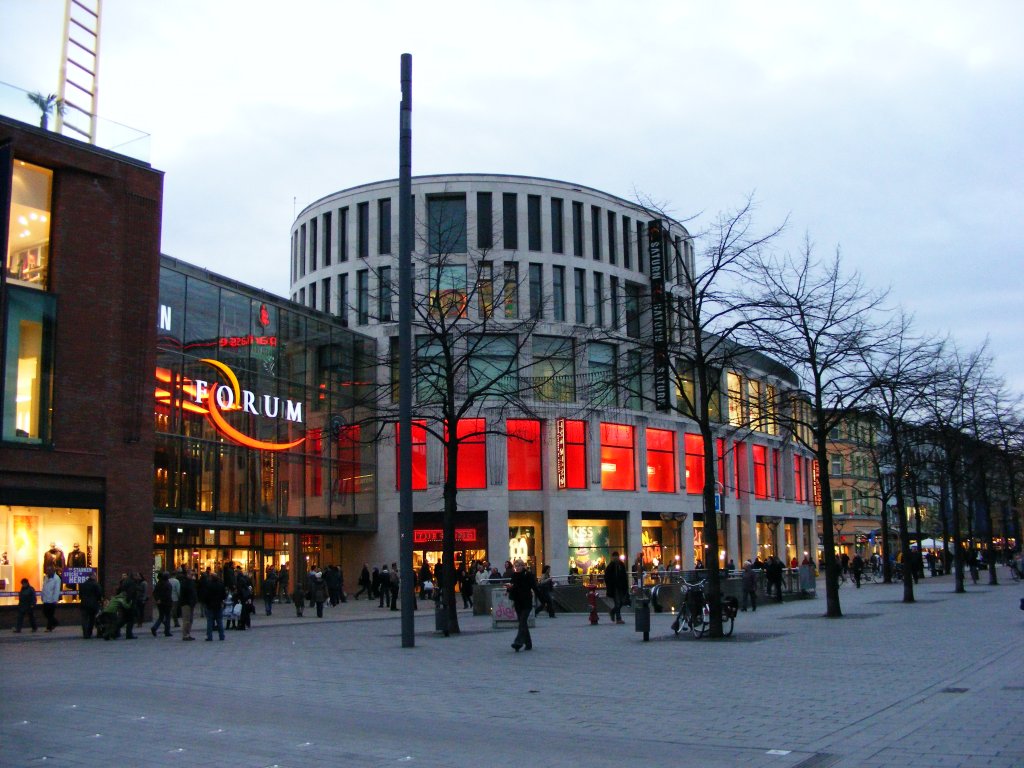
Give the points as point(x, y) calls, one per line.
point(77, 299)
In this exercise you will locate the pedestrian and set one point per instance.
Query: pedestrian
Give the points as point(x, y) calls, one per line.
point(384, 586)
point(466, 588)
point(364, 582)
point(332, 578)
point(91, 596)
point(545, 588)
point(162, 599)
point(396, 581)
point(617, 584)
point(51, 596)
point(282, 583)
point(318, 588)
point(26, 606)
point(214, 595)
point(141, 596)
point(243, 594)
point(857, 566)
point(175, 598)
point(269, 589)
point(773, 574)
point(749, 585)
point(299, 600)
point(188, 597)
point(423, 577)
point(521, 588)
point(129, 587)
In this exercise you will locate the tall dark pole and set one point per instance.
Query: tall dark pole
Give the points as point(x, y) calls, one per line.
point(405, 277)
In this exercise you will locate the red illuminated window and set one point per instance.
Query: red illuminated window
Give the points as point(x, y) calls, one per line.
point(720, 449)
point(739, 459)
point(776, 480)
point(472, 453)
point(572, 469)
point(617, 458)
point(694, 464)
point(419, 456)
point(760, 454)
point(523, 452)
point(314, 462)
point(349, 464)
point(798, 478)
point(661, 461)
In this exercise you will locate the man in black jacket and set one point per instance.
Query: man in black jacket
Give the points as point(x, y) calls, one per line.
point(616, 580)
point(521, 588)
point(91, 595)
point(213, 600)
point(187, 599)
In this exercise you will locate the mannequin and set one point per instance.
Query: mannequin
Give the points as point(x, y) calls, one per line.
point(76, 558)
point(53, 558)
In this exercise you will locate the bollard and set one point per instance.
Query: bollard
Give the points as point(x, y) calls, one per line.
point(592, 600)
point(642, 615)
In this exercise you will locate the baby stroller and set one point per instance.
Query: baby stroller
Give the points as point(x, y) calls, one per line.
point(113, 616)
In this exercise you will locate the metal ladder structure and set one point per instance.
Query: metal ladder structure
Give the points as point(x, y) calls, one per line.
point(80, 69)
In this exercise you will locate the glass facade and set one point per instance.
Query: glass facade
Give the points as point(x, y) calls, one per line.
point(257, 404)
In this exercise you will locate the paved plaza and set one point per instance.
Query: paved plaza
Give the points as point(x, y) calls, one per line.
point(937, 683)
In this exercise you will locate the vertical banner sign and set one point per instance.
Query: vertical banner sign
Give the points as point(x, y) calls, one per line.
point(816, 485)
point(659, 314)
point(560, 452)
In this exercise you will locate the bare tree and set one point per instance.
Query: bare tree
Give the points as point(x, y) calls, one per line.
point(948, 404)
point(473, 363)
point(898, 372)
point(822, 322)
point(695, 308)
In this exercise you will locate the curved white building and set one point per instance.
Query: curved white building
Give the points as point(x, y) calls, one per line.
point(586, 464)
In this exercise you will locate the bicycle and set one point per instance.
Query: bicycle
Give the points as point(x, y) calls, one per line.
point(695, 612)
point(1014, 567)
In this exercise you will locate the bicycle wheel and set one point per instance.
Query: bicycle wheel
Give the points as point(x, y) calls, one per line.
point(698, 625)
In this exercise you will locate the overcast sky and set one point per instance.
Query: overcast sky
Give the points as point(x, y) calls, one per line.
point(893, 130)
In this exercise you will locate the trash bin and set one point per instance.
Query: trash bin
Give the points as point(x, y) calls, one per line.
point(440, 617)
point(642, 615)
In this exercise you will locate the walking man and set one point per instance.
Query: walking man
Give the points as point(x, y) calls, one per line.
point(616, 581)
point(26, 606)
point(749, 586)
point(91, 595)
point(521, 588)
point(213, 601)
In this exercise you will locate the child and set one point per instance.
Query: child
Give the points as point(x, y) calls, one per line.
point(299, 598)
point(229, 610)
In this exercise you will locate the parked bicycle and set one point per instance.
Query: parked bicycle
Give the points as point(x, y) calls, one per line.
point(695, 612)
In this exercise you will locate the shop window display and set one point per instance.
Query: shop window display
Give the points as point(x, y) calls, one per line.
point(37, 540)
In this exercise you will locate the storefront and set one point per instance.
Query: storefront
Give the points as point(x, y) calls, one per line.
point(593, 538)
point(261, 458)
point(428, 539)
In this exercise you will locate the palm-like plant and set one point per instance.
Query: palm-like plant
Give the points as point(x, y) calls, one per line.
point(47, 106)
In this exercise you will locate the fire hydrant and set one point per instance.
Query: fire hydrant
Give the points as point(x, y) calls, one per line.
point(592, 601)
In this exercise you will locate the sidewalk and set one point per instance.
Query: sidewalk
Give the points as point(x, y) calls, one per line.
point(937, 683)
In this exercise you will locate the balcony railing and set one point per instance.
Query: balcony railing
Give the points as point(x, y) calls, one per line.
point(112, 136)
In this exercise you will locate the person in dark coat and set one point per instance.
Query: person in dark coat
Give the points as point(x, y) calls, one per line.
point(318, 588)
point(773, 573)
point(188, 596)
point(269, 589)
point(364, 582)
point(26, 606)
point(521, 588)
point(129, 587)
point(162, 596)
point(616, 581)
point(384, 586)
point(857, 566)
point(91, 596)
point(214, 594)
point(466, 587)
